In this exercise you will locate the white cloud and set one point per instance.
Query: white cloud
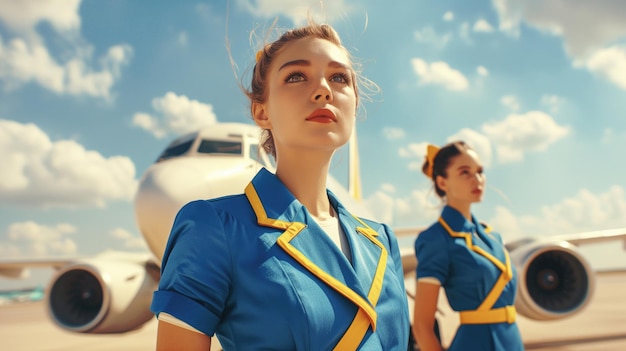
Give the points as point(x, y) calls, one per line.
point(439, 73)
point(33, 239)
point(177, 114)
point(477, 141)
point(609, 63)
point(585, 211)
point(511, 102)
point(413, 150)
point(448, 16)
point(553, 102)
point(464, 32)
point(482, 71)
point(40, 173)
point(482, 26)
point(521, 133)
point(297, 12)
point(150, 123)
point(381, 204)
point(582, 212)
point(507, 224)
point(427, 35)
point(589, 30)
point(418, 206)
point(608, 136)
point(585, 26)
point(392, 133)
point(25, 58)
point(128, 240)
point(24, 15)
point(183, 39)
point(388, 188)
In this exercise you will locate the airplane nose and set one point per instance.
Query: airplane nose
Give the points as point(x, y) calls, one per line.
point(157, 202)
point(169, 185)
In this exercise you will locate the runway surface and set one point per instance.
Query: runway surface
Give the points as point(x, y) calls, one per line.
point(601, 327)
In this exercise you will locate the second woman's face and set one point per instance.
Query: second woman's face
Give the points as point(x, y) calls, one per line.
point(465, 181)
point(311, 101)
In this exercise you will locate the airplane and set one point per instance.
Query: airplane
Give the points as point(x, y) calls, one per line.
point(112, 292)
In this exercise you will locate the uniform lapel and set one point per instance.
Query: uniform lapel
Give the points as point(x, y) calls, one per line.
point(309, 246)
point(456, 225)
point(494, 246)
point(367, 251)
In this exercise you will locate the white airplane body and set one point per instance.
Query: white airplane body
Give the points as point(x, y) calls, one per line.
point(111, 292)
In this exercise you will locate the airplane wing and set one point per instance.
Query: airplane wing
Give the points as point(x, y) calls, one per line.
point(404, 231)
point(107, 293)
point(18, 268)
point(592, 237)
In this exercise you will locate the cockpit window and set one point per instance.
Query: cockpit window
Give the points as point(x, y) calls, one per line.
point(175, 150)
point(220, 147)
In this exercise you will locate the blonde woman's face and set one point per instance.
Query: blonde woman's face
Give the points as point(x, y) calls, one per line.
point(311, 103)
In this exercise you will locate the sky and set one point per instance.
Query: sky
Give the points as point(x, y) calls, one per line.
point(91, 92)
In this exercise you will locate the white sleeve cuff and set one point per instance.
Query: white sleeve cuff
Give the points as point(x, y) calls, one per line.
point(429, 280)
point(168, 318)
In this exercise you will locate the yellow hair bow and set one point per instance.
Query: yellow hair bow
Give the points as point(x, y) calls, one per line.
point(259, 54)
point(431, 153)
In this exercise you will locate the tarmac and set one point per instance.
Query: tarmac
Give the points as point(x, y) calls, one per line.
point(600, 327)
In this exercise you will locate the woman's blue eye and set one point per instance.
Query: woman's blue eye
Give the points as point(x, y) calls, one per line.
point(340, 78)
point(295, 77)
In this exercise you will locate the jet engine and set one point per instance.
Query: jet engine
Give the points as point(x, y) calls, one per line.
point(555, 281)
point(102, 295)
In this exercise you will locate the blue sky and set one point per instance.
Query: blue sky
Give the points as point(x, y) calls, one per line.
point(92, 91)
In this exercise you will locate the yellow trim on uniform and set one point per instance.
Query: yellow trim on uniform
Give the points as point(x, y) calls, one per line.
point(484, 314)
point(259, 210)
point(497, 315)
point(358, 328)
point(366, 314)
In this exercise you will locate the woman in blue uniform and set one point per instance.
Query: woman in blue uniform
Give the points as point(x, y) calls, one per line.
point(466, 258)
point(284, 266)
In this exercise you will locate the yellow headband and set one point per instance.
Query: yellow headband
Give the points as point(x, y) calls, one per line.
point(259, 54)
point(431, 153)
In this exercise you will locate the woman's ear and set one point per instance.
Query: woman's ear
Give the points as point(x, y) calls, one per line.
point(441, 183)
point(259, 115)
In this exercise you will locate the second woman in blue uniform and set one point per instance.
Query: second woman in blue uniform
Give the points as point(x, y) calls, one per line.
point(465, 258)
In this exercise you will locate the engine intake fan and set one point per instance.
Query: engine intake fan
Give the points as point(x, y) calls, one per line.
point(102, 295)
point(555, 280)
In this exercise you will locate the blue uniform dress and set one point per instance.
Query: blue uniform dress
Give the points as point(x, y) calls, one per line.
point(258, 271)
point(473, 267)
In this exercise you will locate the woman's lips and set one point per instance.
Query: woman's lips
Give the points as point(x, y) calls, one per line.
point(322, 116)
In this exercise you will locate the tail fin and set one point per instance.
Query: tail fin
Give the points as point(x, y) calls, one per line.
point(354, 171)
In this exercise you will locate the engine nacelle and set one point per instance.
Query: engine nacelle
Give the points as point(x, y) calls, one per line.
point(555, 280)
point(102, 295)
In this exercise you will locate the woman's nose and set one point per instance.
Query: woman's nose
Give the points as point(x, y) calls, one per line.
point(322, 92)
point(322, 96)
point(479, 177)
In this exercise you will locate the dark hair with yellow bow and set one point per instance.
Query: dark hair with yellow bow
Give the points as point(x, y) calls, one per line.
point(438, 160)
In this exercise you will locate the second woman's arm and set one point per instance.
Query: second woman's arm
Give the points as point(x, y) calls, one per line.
point(426, 297)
